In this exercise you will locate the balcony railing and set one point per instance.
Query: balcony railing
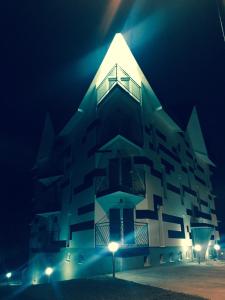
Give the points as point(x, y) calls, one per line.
point(136, 186)
point(47, 207)
point(139, 238)
point(118, 76)
point(47, 241)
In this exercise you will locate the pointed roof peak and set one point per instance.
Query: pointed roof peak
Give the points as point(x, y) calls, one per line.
point(47, 138)
point(196, 136)
point(119, 53)
point(195, 132)
point(193, 118)
point(194, 111)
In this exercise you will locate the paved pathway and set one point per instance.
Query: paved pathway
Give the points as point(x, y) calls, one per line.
point(206, 280)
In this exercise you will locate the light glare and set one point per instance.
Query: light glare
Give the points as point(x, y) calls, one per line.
point(197, 247)
point(8, 275)
point(217, 247)
point(48, 271)
point(113, 246)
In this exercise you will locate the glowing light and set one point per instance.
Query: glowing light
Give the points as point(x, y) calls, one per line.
point(197, 247)
point(217, 247)
point(159, 108)
point(49, 271)
point(8, 275)
point(119, 53)
point(113, 246)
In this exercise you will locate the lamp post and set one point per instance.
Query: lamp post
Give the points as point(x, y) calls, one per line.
point(48, 272)
point(198, 249)
point(113, 247)
point(217, 249)
point(8, 275)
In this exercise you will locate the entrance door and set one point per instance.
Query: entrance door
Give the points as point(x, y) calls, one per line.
point(128, 226)
point(121, 225)
point(114, 225)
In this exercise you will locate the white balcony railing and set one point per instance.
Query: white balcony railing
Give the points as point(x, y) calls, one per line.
point(118, 76)
point(138, 238)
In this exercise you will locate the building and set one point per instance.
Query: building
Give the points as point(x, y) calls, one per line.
point(120, 170)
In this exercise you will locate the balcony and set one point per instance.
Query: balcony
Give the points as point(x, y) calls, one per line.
point(47, 208)
point(137, 239)
point(118, 76)
point(134, 185)
point(50, 206)
point(124, 184)
point(46, 243)
point(47, 198)
point(51, 248)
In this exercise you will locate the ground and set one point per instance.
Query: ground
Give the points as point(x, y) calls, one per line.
point(90, 289)
point(205, 280)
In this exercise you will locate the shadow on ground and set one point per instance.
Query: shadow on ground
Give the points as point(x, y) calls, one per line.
point(90, 289)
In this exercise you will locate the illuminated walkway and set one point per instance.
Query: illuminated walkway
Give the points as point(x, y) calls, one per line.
point(206, 280)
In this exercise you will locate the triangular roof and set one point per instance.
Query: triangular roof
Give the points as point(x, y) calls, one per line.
point(196, 137)
point(118, 53)
point(47, 139)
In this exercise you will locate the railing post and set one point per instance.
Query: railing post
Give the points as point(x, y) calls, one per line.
point(147, 234)
point(116, 73)
point(95, 235)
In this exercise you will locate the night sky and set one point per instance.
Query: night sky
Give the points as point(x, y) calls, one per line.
point(50, 51)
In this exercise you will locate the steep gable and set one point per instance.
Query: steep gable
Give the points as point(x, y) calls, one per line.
point(197, 140)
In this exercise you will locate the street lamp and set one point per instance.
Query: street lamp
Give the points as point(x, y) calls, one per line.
point(216, 251)
point(217, 247)
point(8, 275)
point(113, 247)
point(48, 272)
point(198, 249)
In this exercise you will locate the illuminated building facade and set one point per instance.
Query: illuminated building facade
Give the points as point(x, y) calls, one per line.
point(120, 170)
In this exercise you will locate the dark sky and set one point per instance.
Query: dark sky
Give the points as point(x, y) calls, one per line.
point(50, 51)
